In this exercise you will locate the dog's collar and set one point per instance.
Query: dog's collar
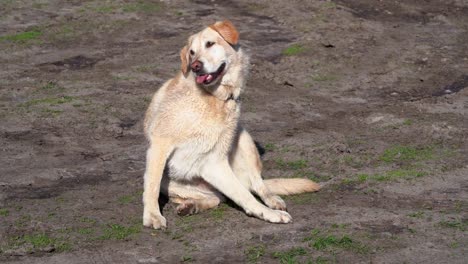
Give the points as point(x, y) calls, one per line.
point(236, 99)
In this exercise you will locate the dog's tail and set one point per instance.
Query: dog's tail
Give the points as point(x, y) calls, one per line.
point(291, 186)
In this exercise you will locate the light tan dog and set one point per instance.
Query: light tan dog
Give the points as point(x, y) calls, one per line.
point(198, 152)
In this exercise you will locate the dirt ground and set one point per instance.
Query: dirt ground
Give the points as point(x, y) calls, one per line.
point(366, 97)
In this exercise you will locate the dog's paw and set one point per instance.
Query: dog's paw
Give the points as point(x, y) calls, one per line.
point(187, 208)
point(277, 216)
point(275, 202)
point(154, 220)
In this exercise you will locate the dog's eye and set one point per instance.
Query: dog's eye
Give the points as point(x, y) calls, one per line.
point(192, 52)
point(209, 44)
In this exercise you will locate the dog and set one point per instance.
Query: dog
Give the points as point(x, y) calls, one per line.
point(198, 152)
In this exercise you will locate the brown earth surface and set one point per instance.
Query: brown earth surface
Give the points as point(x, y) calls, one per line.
point(367, 97)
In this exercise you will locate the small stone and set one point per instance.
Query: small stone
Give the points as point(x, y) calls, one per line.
point(394, 94)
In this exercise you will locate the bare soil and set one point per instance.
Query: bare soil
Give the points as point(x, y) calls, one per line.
point(367, 97)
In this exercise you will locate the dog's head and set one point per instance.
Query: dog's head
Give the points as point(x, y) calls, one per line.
point(208, 54)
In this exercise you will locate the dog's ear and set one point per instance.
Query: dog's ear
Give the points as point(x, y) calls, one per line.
point(184, 60)
point(227, 30)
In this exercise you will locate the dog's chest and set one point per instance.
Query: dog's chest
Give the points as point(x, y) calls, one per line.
point(211, 134)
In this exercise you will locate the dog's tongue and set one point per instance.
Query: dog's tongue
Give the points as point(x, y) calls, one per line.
point(204, 78)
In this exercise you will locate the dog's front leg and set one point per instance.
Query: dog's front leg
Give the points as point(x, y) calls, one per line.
point(220, 175)
point(155, 162)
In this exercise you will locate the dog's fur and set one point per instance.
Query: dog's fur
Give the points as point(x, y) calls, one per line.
point(198, 152)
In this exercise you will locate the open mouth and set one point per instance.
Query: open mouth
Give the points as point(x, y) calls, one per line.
point(207, 78)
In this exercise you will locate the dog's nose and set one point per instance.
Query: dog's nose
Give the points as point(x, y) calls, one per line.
point(196, 66)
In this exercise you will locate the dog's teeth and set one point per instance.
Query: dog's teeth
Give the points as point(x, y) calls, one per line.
point(209, 77)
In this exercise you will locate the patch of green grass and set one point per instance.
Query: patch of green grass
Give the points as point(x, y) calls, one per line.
point(360, 178)
point(186, 258)
point(303, 198)
point(23, 37)
point(85, 231)
point(270, 147)
point(47, 112)
point(399, 174)
point(119, 232)
point(218, 212)
point(49, 101)
point(320, 241)
point(39, 241)
point(407, 122)
point(39, 5)
point(370, 191)
point(456, 224)
point(4, 212)
point(254, 253)
point(85, 219)
point(62, 246)
point(186, 223)
point(454, 245)
point(319, 260)
point(176, 235)
point(286, 149)
point(458, 206)
point(189, 219)
point(293, 165)
point(407, 153)
point(125, 199)
point(60, 199)
point(289, 257)
point(66, 230)
point(294, 49)
point(147, 99)
point(49, 86)
point(316, 178)
point(255, 7)
point(142, 6)
point(23, 221)
point(339, 226)
point(323, 77)
point(418, 214)
point(328, 5)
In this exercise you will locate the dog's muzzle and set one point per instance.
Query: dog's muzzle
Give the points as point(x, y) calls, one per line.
point(207, 78)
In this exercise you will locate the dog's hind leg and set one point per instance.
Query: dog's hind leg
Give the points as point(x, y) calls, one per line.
point(191, 197)
point(246, 164)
